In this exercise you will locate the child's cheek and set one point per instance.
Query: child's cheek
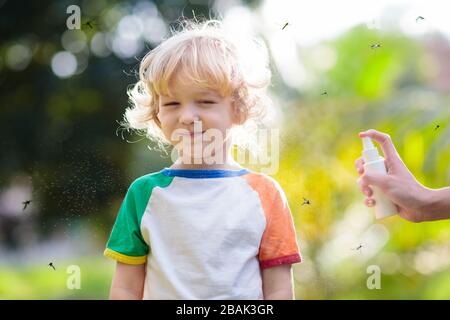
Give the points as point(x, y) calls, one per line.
point(163, 119)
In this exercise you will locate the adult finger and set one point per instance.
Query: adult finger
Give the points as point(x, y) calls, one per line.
point(359, 165)
point(369, 202)
point(372, 179)
point(385, 142)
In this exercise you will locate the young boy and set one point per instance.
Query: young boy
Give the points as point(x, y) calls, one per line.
point(205, 228)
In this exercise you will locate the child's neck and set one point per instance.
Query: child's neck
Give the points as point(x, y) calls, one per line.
point(228, 164)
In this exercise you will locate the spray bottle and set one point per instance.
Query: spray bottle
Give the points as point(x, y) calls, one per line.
point(374, 163)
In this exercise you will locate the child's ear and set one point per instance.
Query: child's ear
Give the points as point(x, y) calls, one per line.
point(238, 115)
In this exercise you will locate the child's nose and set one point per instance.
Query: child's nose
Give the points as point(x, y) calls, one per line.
point(188, 115)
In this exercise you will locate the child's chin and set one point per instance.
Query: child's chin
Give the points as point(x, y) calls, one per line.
point(206, 158)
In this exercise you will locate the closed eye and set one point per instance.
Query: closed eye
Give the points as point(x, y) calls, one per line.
point(174, 103)
point(171, 104)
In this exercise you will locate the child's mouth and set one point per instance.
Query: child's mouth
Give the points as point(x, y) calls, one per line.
point(192, 134)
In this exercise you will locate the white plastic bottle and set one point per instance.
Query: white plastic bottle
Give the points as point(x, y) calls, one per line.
point(374, 163)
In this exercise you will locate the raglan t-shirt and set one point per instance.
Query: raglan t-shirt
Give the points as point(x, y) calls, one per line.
point(204, 234)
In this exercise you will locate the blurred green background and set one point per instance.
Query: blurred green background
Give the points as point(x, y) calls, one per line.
point(338, 68)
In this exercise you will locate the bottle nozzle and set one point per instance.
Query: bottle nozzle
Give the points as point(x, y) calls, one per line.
point(370, 152)
point(367, 143)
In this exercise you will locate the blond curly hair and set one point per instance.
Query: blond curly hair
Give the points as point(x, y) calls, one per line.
point(204, 54)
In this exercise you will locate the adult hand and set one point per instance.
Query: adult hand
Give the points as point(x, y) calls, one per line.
point(399, 185)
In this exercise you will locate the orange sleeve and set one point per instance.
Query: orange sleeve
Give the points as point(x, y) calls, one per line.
point(279, 242)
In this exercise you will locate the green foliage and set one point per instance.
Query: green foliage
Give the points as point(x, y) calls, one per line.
point(42, 282)
point(62, 133)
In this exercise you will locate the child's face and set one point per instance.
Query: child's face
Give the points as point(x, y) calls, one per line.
point(190, 104)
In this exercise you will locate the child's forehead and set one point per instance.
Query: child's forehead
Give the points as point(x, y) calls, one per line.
point(192, 91)
point(184, 87)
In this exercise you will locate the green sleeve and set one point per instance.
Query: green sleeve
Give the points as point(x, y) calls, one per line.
point(126, 243)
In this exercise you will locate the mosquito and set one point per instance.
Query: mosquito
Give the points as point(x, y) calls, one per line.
point(375, 46)
point(306, 201)
point(25, 204)
point(89, 24)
